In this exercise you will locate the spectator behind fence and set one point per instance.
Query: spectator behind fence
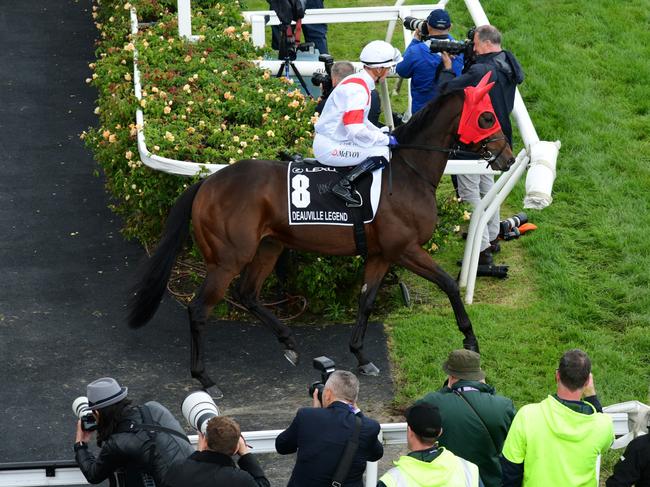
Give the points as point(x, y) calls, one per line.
point(343, 69)
point(133, 453)
point(558, 441)
point(424, 66)
point(212, 465)
point(507, 73)
point(321, 433)
point(634, 466)
point(427, 464)
point(475, 420)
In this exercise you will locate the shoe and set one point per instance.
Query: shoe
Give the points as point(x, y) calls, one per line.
point(485, 257)
point(342, 190)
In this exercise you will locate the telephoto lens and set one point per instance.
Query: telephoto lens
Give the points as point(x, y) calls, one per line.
point(198, 408)
point(509, 224)
point(84, 413)
point(412, 23)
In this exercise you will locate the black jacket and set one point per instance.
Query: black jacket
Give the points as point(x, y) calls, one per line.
point(152, 453)
point(319, 435)
point(507, 73)
point(212, 469)
point(634, 466)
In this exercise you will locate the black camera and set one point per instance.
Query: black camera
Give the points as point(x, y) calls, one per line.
point(452, 47)
point(411, 23)
point(326, 366)
point(324, 80)
point(508, 228)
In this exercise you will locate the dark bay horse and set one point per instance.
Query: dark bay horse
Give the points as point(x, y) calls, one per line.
point(240, 223)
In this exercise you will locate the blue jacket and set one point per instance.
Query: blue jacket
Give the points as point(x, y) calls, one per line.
point(319, 435)
point(423, 67)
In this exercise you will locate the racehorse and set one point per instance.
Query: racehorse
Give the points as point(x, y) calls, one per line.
point(239, 218)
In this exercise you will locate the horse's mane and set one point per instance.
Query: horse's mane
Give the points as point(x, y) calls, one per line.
point(407, 132)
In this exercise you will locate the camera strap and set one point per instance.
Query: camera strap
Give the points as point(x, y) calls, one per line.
point(348, 454)
point(460, 394)
point(148, 425)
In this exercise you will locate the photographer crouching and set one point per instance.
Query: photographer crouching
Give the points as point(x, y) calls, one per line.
point(219, 439)
point(334, 440)
point(139, 444)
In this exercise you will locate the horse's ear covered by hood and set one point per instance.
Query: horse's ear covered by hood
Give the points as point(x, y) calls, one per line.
point(477, 102)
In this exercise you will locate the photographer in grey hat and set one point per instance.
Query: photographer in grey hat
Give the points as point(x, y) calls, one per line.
point(138, 443)
point(475, 420)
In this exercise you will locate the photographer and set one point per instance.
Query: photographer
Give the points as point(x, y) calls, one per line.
point(212, 464)
point(424, 66)
point(133, 453)
point(321, 433)
point(507, 74)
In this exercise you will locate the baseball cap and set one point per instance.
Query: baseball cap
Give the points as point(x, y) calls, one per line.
point(424, 420)
point(439, 19)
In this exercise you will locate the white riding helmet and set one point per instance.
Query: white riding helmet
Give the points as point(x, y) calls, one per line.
point(380, 54)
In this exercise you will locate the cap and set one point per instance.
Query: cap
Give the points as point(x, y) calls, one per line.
point(439, 19)
point(424, 420)
point(464, 364)
point(104, 392)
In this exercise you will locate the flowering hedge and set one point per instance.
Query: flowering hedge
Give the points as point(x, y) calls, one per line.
point(203, 102)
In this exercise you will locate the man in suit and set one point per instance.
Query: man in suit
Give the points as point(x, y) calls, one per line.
point(320, 434)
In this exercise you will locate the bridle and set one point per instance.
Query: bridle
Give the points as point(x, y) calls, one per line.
point(458, 151)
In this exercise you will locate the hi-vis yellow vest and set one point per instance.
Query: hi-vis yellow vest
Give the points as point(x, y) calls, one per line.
point(446, 470)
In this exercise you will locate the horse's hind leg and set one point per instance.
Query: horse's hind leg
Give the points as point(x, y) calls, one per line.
point(211, 292)
point(418, 261)
point(248, 292)
point(376, 268)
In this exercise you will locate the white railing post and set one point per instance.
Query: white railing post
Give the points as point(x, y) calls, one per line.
point(184, 19)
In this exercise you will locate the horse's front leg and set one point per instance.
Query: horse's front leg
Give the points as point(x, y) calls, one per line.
point(417, 260)
point(376, 268)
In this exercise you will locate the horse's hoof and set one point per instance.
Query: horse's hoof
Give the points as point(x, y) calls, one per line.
point(471, 343)
point(214, 392)
point(369, 369)
point(292, 356)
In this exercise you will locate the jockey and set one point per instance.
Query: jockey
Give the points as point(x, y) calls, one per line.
point(344, 136)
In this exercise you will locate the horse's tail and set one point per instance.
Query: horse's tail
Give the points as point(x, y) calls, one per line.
point(146, 294)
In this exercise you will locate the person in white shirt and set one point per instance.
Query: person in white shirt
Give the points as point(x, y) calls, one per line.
point(344, 135)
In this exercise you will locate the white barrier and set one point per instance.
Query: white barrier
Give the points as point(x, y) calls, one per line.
point(262, 442)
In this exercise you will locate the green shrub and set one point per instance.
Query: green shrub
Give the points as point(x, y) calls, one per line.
point(202, 102)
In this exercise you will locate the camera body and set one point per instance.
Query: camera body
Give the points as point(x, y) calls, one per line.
point(326, 366)
point(324, 80)
point(84, 413)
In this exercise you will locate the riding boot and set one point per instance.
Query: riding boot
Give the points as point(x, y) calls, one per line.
point(343, 188)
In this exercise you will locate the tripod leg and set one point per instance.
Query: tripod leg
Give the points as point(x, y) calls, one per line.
point(300, 78)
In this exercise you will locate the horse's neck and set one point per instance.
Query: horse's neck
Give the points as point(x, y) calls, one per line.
point(429, 163)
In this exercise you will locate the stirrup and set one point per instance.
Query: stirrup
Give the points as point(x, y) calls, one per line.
point(346, 195)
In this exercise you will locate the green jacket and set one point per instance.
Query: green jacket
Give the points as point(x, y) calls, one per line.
point(464, 434)
point(558, 446)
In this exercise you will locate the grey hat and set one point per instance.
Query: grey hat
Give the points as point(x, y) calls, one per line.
point(104, 392)
point(464, 364)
